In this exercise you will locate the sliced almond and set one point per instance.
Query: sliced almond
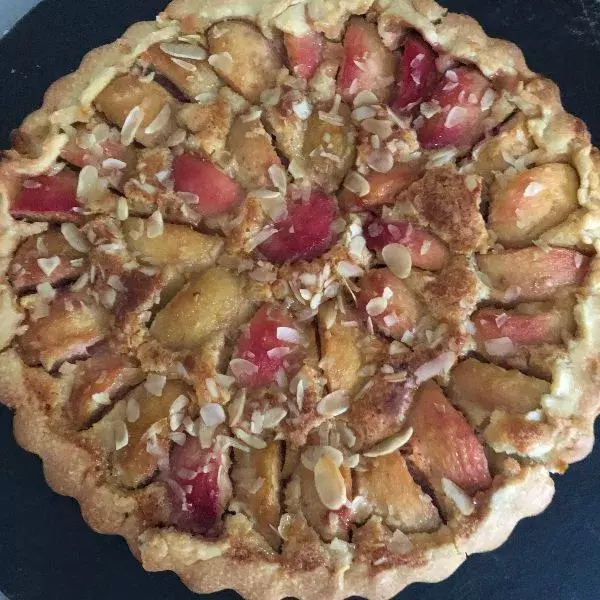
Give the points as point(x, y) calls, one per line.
point(461, 499)
point(48, 265)
point(398, 260)
point(329, 483)
point(160, 122)
point(334, 404)
point(132, 123)
point(390, 444)
point(212, 414)
point(357, 184)
point(188, 51)
point(312, 454)
point(250, 440)
point(121, 434)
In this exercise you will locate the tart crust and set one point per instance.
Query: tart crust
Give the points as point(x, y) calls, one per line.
point(241, 559)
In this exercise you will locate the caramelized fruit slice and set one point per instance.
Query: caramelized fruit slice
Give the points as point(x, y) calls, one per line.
point(305, 52)
point(48, 198)
point(389, 302)
point(391, 493)
point(426, 250)
point(269, 343)
point(443, 444)
point(480, 388)
point(532, 202)
point(367, 63)
point(460, 121)
point(216, 192)
point(306, 231)
point(532, 273)
point(417, 74)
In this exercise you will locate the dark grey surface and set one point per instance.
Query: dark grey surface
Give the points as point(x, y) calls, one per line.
point(46, 550)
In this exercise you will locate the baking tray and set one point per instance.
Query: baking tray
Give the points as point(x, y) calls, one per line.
point(46, 550)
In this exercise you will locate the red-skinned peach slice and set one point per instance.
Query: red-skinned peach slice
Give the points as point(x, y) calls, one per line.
point(400, 311)
point(532, 273)
point(460, 121)
point(270, 343)
point(417, 74)
point(532, 202)
point(49, 198)
point(367, 64)
point(443, 444)
point(217, 193)
point(544, 327)
point(383, 187)
point(196, 471)
point(306, 231)
point(426, 250)
point(305, 52)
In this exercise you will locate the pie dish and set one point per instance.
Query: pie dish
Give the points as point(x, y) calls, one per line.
point(300, 298)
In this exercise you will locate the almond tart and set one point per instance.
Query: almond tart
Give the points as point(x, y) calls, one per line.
point(301, 298)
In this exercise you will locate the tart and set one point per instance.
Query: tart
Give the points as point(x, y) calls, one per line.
point(301, 298)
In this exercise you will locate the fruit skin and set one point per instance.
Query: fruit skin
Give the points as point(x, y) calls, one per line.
point(363, 44)
point(217, 193)
point(403, 302)
point(532, 273)
point(470, 126)
point(201, 474)
point(443, 444)
point(415, 78)
point(260, 336)
point(51, 197)
point(305, 52)
point(518, 219)
point(306, 231)
point(427, 251)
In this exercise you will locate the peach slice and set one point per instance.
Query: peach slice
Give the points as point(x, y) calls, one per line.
point(104, 374)
point(532, 273)
point(533, 202)
point(48, 198)
point(253, 152)
point(211, 301)
point(390, 303)
point(461, 97)
point(417, 74)
point(443, 444)
point(305, 52)
point(480, 388)
point(391, 493)
point(209, 125)
point(217, 193)
point(43, 250)
point(367, 64)
point(244, 58)
point(269, 344)
point(427, 251)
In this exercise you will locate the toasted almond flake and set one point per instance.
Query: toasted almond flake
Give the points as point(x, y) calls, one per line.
point(437, 366)
point(273, 416)
point(347, 269)
point(40, 245)
point(178, 437)
point(211, 386)
point(235, 409)
point(29, 184)
point(160, 122)
point(329, 483)
point(334, 404)
point(332, 119)
point(461, 499)
point(212, 414)
point(289, 335)
point(45, 290)
point(381, 160)
point(256, 240)
point(132, 123)
point(376, 306)
point(278, 177)
point(380, 128)
point(533, 189)
point(400, 543)
point(184, 64)
point(390, 444)
point(176, 420)
point(302, 109)
point(81, 282)
point(113, 164)
point(122, 211)
point(487, 100)
point(48, 265)
point(155, 384)
point(101, 398)
point(456, 115)
point(312, 454)
point(364, 98)
point(121, 434)
point(66, 368)
point(87, 181)
point(132, 410)
point(222, 62)
point(363, 112)
point(155, 225)
point(184, 50)
point(278, 352)
point(357, 184)
point(300, 393)
point(351, 461)
point(240, 367)
point(398, 260)
point(114, 281)
point(108, 298)
point(251, 440)
point(502, 346)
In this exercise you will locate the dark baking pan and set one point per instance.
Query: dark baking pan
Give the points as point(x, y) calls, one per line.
point(46, 550)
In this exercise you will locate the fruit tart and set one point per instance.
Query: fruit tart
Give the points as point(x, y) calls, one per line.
point(301, 298)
